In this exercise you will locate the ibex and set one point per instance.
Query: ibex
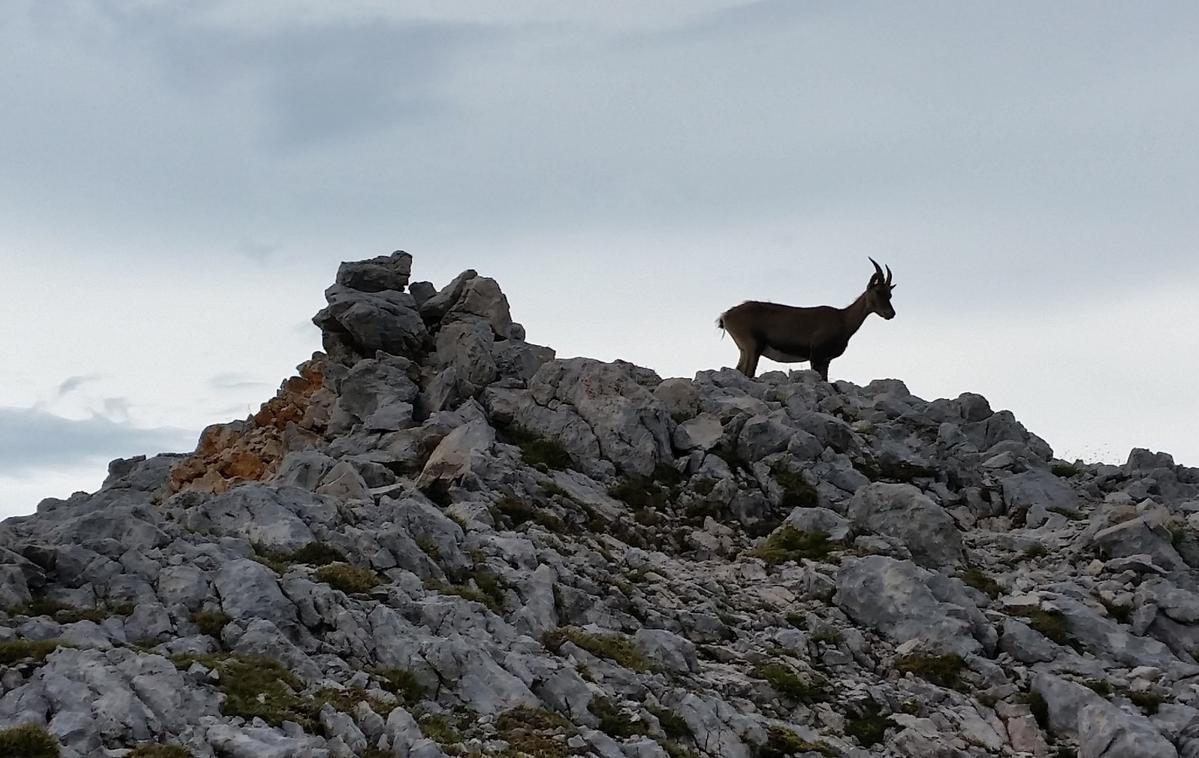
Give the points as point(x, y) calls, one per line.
point(788, 334)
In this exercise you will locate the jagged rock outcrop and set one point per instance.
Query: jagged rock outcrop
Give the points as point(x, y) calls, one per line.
point(438, 539)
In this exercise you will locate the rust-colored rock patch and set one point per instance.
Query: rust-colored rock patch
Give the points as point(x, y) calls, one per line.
point(252, 449)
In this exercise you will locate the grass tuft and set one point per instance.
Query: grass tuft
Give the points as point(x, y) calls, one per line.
point(791, 544)
point(401, 683)
point(516, 513)
point(1052, 624)
point(612, 720)
point(868, 727)
point(535, 732)
point(28, 741)
point(614, 647)
point(1148, 702)
point(804, 688)
point(65, 614)
point(349, 579)
point(941, 670)
point(255, 687)
point(797, 493)
point(982, 581)
point(536, 450)
point(782, 743)
point(673, 725)
point(152, 750)
point(211, 622)
point(35, 651)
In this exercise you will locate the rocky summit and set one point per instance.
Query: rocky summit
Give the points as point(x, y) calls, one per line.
point(439, 539)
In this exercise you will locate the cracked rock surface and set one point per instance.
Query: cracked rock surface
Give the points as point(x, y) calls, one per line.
point(439, 539)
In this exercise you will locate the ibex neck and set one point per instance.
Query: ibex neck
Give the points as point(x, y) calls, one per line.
point(855, 313)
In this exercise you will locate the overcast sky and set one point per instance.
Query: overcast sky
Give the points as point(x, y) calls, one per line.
point(180, 180)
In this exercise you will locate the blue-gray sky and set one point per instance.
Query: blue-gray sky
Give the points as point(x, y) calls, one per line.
point(180, 180)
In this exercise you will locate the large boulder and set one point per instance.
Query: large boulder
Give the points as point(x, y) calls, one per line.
point(1103, 730)
point(1037, 493)
point(905, 602)
point(356, 324)
point(903, 512)
point(604, 414)
point(384, 272)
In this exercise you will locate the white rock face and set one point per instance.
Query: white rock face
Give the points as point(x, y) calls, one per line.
point(472, 548)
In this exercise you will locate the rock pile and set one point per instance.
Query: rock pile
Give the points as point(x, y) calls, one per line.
point(439, 539)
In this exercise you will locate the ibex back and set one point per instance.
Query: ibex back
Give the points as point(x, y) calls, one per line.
point(789, 334)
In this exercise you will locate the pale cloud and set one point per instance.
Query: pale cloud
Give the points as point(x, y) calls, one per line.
point(72, 383)
point(1027, 169)
point(32, 439)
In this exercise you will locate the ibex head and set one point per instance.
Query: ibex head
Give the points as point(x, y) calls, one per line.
point(878, 293)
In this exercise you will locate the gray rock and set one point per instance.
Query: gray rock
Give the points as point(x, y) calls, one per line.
point(680, 398)
point(249, 590)
point(385, 272)
point(458, 455)
point(343, 482)
point(820, 521)
point(277, 518)
point(702, 432)
point(601, 414)
point(1138, 537)
point(905, 602)
point(14, 591)
point(1025, 645)
point(481, 298)
point(903, 512)
point(1039, 488)
point(357, 324)
point(667, 649)
point(378, 393)
point(763, 435)
point(262, 638)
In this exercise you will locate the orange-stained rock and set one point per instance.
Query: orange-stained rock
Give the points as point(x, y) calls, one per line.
point(252, 449)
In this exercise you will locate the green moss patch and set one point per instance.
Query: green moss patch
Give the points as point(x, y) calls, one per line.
point(613, 721)
point(515, 513)
point(537, 451)
point(65, 614)
point(797, 493)
point(783, 743)
point(1148, 702)
point(256, 687)
point(941, 670)
point(485, 587)
point(982, 581)
point(211, 622)
point(869, 726)
point(401, 683)
point(790, 544)
point(159, 751)
point(615, 647)
point(312, 554)
point(31, 651)
point(28, 741)
point(803, 688)
point(894, 471)
point(1052, 624)
point(673, 725)
point(535, 732)
point(349, 579)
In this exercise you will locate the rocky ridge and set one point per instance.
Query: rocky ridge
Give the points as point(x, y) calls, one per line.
point(438, 539)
